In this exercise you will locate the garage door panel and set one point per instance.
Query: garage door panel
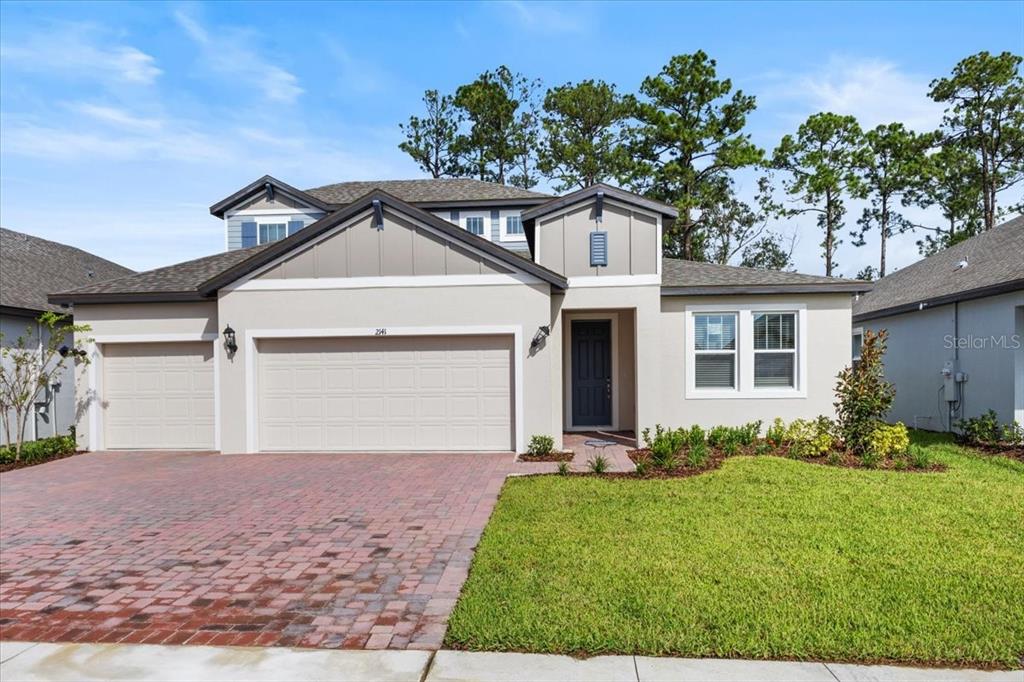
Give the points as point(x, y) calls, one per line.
point(397, 393)
point(158, 395)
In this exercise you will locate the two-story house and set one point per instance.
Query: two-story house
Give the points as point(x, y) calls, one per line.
point(447, 315)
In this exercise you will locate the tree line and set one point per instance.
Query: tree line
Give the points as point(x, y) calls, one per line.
point(681, 139)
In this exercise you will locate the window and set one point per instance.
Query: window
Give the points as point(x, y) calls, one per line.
point(513, 225)
point(858, 341)
point(271, 232)
point(475, 224)
point(774, 350)
point(715, 350)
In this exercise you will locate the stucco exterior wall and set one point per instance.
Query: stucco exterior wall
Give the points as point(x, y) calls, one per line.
point(921, 341)
point(139, 320)
point(453, 308)
point(827, 332)
point(632, 241)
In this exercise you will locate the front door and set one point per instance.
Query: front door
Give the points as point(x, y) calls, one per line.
point(591, 373)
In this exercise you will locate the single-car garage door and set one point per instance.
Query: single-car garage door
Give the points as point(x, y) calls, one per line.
point(158, 395)
point(386, 393)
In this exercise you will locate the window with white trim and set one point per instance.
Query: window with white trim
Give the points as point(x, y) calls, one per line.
point(271, 232)
point(715, 350)
point(774, 350)
point(475, 224)
point(513, 225)
point(857, 342)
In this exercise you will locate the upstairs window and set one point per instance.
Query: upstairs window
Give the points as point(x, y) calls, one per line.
point(774, 350)
point(715, 350)
point(271, 232)
point(858, 341)
point(475, 224)
point(513, 225)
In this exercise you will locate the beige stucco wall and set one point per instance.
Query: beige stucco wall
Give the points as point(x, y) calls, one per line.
point(525, 306)
point(132, 320)
point(400, 249)
point(827, 331)
point(632, 241)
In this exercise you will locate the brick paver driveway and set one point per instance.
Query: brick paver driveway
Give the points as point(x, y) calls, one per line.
point(291, 550)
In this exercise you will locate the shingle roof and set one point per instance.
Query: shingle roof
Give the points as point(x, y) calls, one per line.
point(610, 191)
point(428, 190)
point(31, 268)
point(995, 262)
point(693, 278)
point(180, 281)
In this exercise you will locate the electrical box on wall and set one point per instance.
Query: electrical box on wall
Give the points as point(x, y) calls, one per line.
point(949, 381)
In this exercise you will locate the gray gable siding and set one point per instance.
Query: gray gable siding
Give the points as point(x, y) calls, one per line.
point(495, 225)
point(234, 224)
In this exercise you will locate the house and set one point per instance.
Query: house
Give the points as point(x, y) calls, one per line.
point(956, 331)
point(30, 268)
point(388, 321)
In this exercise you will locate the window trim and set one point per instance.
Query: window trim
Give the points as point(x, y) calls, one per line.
point(507, 236)
point(856, 331)
point(735, 352)
point(775, 351)
point(464, 217)
point(744, 351)
point(259, 233)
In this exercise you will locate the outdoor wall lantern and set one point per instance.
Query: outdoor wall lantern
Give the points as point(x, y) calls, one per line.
point(538, 338)
point(229, 340)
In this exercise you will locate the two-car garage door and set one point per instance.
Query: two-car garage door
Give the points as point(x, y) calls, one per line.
point(385, 393)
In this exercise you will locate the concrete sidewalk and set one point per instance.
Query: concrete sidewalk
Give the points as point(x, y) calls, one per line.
point(27, 661)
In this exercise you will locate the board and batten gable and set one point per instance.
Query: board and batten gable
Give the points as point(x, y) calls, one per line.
point(564, 241)
point(399, 249)
point(281, 209)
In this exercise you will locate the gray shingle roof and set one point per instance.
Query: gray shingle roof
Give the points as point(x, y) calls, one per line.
point(995, 261)
point(428, 190)
point(693, 278)
point(31, 268)
point(181, 280)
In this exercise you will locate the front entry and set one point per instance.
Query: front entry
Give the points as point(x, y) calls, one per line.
point(591, 373)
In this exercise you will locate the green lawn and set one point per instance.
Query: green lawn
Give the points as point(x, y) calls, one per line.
point(763, 558)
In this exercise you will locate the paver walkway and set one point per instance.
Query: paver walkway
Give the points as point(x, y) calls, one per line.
point(616, 455)
point(313, 550)
point(25, 662)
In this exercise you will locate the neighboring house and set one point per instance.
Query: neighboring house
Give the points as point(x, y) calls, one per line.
point(30, 268)
point(956, 331)
point(383, 326)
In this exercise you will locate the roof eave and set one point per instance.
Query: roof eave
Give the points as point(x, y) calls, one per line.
point(922, 304)
point(559, 203)
point(763, 289)
point(71, 298)
point(257, 186)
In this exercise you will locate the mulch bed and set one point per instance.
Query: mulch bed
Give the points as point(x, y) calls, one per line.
point(1010, 451)
point(553, 456)
point(23, 464)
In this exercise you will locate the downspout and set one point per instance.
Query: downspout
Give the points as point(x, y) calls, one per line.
point(956, 364)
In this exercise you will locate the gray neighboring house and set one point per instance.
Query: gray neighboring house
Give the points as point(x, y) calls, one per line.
point(30, 269)
point(956, 331)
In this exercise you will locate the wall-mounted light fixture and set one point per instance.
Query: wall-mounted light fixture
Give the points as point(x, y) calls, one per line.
point(538, 338)
point(229, 340)
point(73, 352)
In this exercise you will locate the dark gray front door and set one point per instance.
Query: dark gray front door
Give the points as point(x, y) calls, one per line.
point(591, 372)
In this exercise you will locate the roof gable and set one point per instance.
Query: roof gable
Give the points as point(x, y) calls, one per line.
point(266, 184)
point(608, 191)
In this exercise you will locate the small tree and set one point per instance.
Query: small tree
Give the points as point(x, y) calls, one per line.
point(863, 396)
point(431, 140)
point(27, 366)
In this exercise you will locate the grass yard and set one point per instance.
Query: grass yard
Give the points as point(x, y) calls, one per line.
point(763, 558)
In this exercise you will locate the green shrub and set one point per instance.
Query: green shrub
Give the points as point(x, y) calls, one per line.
point(40, 450)
point(987, 430)
point(664, 445)
point(717, 435)
point(809, 438)
point(887, 441)
point(598, 464)
point(697, 455)
point(541, 445)
point(776, 433)
point(643, 465)
point(863, 396)
point(748, 433)
point(563, 468)
point(764, 448)
point(920, 457)
point(696, 435)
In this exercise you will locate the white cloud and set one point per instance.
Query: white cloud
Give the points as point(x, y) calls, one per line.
point(357, 75)
point(227, 55)
point(547, 17)
point(82, 51)
point(116, 117)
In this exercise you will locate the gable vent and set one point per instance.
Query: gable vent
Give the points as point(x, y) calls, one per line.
point(598, 248)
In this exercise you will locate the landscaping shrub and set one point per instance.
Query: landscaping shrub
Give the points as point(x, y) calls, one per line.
point(598, 464)
point(717, 435)
point(987, 430)
point(863, 396)
point(696, 435)
point(887, 441)
point(809, 438)
point(563, 468)
point(39, 450)
point(540, 445)
point(748, 433)
point(776, 433)
point(664, 445)
point(920, 456)
point(697, 455)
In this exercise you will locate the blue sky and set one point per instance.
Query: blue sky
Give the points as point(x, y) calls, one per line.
point(121, 123)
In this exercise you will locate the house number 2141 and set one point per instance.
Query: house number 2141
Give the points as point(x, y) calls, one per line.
point(381, 331)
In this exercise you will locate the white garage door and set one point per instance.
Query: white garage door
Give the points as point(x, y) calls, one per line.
point(158, 395)
point(387, 394)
